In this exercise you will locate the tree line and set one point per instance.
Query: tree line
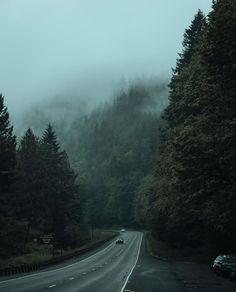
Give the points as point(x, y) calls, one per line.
point(189, 197)
point(175, 175)
point(38, 191)
point(114, 149)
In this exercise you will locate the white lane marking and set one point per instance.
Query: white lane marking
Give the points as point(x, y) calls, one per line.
point(133, 266)
point(52, 286)
point(72, 278)
point(51, 271)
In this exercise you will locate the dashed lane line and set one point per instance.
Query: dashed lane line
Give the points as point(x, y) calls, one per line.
point(59, 269)
point(122, 250)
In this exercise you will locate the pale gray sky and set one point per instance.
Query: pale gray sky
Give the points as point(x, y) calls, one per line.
point(51, 46)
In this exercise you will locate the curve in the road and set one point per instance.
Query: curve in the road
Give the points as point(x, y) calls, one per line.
point(107, 270)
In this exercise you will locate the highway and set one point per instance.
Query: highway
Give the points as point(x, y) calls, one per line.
point(105, 270)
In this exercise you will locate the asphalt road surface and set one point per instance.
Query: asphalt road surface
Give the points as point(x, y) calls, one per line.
point(113, 268)
point(105, 270)
point(152, 274)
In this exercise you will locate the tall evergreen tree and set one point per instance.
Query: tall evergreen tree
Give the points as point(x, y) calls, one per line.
point(187, 76)
point(176, 179)
point(59, 188)
point(7, 149)
point(8, 226)
point(218, 99)
point(195, 170)
point(28, 197)
point(191, 39)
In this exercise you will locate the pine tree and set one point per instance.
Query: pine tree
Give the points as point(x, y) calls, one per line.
point(187, 76)
point(195, 171)
point(10, 229)
point(191, 39)
point(174, 211)
point(218, 99)
point(28, 196)
point(7, 155)
point(59, 188)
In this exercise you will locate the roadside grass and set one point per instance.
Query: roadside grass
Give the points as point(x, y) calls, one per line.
point(98, 236)
point(156, 247)
point(43, 253)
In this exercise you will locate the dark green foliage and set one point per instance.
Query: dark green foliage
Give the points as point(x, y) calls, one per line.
point(61, 201)
point(7, 174)
point(28, 199)
point(12, 236)
point(185, 84)
point(191, 39)
point(193, 201)
point(7, 150)
point(189, 197)
point(45, 197)
point(116, 146)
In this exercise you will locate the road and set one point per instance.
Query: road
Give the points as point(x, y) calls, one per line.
point(107, 270)
point(152, 274)
point(113, 268)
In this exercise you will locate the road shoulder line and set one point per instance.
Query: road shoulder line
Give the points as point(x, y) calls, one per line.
point(122, 289)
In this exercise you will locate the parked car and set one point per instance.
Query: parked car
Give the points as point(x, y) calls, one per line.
point(122, 230)
point(120, 241)
point(224, 265)
point(232, 276)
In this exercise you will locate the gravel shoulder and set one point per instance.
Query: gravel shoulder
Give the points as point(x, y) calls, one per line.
point(199, 278)
point(191, 269)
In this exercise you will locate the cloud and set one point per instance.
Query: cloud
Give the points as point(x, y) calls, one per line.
point(52, 46)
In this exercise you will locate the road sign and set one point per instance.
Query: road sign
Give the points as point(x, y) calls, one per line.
point(47, 238)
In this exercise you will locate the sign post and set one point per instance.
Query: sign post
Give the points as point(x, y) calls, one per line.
point(47, 238)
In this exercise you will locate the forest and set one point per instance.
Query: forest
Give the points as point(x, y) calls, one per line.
point(38, 191)
point(189, 195)
point(155, 157)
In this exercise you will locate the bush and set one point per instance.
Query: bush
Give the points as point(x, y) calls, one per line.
point(73, 236)
point(12, 237)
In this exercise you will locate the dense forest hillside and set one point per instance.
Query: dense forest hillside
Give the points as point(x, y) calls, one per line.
point(110, 147)
point(115, 150)
point(190, 192)
point(140, 159)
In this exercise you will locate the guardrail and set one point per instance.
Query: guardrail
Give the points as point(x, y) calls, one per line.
point(33, 267)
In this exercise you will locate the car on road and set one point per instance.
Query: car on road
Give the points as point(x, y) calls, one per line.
point(224, 265)
point(122, 230)
point(120, 241)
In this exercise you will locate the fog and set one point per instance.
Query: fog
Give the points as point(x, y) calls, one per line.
point(86, 48)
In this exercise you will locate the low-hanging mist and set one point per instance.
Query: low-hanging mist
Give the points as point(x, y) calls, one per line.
point(67, 112)
point(111, 145)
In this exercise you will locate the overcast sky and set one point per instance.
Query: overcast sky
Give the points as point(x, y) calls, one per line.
point(52, 46)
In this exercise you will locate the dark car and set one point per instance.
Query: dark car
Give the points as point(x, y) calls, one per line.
point(120, 241)
point(224, 265)
point(232, 276)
